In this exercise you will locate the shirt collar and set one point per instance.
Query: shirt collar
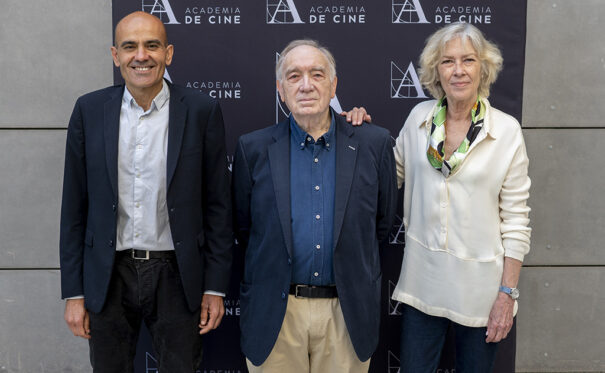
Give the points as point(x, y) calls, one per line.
point(487, 123)
point(302, 138)
point(157, 103)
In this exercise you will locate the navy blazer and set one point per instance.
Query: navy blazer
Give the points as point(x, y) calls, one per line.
point(198, 199)
point(365, 198)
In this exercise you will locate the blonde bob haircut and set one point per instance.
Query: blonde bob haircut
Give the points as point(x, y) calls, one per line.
point(279, 66)
point(488, 53)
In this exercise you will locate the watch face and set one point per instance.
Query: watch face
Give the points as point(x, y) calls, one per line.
point(514, 293)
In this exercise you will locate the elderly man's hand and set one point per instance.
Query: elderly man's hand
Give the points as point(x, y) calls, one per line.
point(357, 116)
point(76, 318)
point(213, 310)
point(500, 318)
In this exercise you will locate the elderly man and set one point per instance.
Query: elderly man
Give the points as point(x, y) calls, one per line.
point(146, 215)
point(313, 198)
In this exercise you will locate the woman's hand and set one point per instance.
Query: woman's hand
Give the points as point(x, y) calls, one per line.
point(357, 116)
point(500, 318)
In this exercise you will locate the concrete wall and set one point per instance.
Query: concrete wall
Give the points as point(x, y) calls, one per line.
point(560, 324)
point(52, 52)
point(46, 67)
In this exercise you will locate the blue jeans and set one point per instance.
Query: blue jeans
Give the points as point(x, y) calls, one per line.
point(423, 337)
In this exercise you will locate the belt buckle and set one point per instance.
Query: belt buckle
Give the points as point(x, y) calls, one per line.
point(296, 295)
point(146, 257)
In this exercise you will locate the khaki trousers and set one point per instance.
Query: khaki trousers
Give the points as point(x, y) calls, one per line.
point(313, 339)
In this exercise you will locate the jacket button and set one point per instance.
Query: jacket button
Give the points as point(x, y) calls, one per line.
point(110, 243)
point(172, 209)
point(289, 261)
point(283, 295)
point(113, 207)
point(178, 243)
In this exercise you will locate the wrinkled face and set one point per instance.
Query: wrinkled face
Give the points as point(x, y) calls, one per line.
point(460, 71)
point(306, 87)
point(141, 52)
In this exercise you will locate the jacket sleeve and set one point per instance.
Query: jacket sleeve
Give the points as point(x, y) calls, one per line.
point(387, 191)
point(216, 199)
point(74, 208)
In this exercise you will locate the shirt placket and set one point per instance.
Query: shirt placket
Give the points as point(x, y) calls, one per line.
point(318, 218)
point(443, 209)
point(138, 188)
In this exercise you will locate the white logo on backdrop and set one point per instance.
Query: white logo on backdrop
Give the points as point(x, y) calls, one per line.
point(394, 306)
point(397, 235)
point(160, 9)
point(393, 363)
point(405, 84)
point(282, 11)
point(281, 110)
point(460, 13)
point(150, 363)
point(408, 11)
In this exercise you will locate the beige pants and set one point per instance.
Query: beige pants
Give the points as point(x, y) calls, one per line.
point(313, 339)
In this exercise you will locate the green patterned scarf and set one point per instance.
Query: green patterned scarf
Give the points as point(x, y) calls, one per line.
point(435, 152)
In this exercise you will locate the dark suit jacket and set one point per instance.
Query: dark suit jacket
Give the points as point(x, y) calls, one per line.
point(198, 199)
point(365, 199)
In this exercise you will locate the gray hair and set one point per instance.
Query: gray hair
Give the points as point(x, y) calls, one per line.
point(488, 53)
point(279, 66)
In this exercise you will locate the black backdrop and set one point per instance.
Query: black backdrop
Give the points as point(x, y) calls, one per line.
point(228, 48)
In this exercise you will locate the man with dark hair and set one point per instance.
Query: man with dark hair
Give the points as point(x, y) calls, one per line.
point(146, 215)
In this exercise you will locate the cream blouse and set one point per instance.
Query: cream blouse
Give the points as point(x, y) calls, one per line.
point(459, 229)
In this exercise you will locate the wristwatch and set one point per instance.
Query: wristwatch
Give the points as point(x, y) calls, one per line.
point(513, 292)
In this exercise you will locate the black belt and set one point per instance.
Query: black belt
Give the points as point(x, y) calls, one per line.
point(309, 291)
point(146, 254)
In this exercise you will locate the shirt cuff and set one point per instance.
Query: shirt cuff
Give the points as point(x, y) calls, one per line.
point(212, 292)
point(76, 297)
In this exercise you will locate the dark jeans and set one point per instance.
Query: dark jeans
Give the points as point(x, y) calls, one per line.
point(423, 337)
point(150, 291)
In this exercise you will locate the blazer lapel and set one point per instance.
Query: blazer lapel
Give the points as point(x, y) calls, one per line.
point(279, 161)
point(111, 128)
point(346, 157)
point(176, 128)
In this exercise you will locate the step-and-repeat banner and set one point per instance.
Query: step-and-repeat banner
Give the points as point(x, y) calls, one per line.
point(228, 49)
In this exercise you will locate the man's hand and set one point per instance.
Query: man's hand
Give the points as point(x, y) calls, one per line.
point(357, 116)
point(500, 318)
point(213, 310)
point(76, 318)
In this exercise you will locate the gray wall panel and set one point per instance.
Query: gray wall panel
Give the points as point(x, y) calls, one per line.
point(30, 196)
point(46, 67)
point(34, 337)
point(564, 64)
point(560, 323)
point(566, 196)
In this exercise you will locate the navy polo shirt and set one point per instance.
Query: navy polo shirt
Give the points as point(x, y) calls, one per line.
point(312, 185)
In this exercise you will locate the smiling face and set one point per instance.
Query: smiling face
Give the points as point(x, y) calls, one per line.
point(141, 52)
point(306, 85)
point(460, 71)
